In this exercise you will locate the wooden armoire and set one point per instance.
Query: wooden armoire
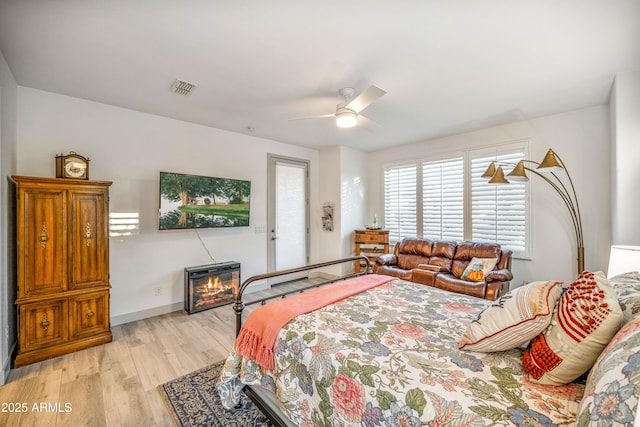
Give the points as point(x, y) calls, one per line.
point(62, 266)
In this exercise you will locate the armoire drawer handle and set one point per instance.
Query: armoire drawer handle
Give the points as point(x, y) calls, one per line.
point(90, 313)
point(87, 234)
point(43, 236)
point(45, 322)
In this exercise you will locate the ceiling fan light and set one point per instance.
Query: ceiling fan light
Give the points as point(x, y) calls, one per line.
point(346, 119)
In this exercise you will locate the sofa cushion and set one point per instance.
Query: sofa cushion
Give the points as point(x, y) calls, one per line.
point(466, 251)
point(450, 283)
point(584, 321)
point(394, 271)
point(407, 262)
point(478, 268)
point(609, 397)
point(413, 251)
point(442, 253)
point(415, 246)
point(517, 317)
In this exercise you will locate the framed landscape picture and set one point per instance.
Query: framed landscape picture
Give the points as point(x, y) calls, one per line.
point(195, 201)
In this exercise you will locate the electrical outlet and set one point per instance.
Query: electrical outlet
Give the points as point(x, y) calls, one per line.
point(259, 229)
point(157, 291)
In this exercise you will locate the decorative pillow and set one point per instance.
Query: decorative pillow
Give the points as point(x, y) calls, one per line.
point(517, 317)
point(627, 287)
point(609, 396)
point(584, 321)
point(478, 268)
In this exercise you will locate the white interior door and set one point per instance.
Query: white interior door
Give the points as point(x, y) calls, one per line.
point(288, 213)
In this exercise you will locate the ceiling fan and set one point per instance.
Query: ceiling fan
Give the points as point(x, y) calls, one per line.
point(347, 113)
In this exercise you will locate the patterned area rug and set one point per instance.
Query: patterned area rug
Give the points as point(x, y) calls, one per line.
point(193, 401)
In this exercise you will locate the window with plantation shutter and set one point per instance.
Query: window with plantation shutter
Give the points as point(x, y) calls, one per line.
point(400, 201)
point(498, 211)
point(446, 199)
point(443, 199)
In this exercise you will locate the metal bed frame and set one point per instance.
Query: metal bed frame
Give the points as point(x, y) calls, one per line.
point(273, 413)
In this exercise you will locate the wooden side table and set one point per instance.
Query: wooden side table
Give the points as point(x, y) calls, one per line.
point(370, 243)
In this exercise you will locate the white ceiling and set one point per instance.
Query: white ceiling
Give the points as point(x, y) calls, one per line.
point(447, 66)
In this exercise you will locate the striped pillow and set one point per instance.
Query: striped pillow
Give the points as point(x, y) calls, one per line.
point(587, 317)
point(517, 317)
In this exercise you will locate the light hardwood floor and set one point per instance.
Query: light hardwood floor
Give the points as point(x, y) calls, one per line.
point(116, 384)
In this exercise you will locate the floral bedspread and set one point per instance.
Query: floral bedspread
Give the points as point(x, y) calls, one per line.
point(389, 357)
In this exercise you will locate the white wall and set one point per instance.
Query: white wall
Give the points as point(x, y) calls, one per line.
point(8, 141)
point(353, 195)
point(131, 148)
point(581, 139)
point(625, 157)
point(330, 241)
point(346, 187)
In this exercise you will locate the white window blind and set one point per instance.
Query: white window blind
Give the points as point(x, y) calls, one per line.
point(447, 199)
point(443, 199)
point(400, 201)
point(498, 210)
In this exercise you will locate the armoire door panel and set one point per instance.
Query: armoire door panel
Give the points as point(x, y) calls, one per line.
point(42, 243)
point(89, 267)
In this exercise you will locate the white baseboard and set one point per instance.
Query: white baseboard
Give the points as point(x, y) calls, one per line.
point(177, 306)
point(6, 366)
point(158, 311)
point(144, 314)
point(4, 374)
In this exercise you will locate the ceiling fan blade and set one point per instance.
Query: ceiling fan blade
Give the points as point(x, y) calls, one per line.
point(365, 99)
point(368, 124)
point(314, 117)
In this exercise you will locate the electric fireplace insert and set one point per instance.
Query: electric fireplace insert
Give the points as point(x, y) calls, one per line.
point(209, 286)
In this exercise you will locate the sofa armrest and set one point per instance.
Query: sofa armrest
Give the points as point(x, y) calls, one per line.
point(387, 259)
point(503, 275)
point(495, 290)
point(429, 267)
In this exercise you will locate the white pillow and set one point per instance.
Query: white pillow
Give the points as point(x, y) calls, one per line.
point(517, 317)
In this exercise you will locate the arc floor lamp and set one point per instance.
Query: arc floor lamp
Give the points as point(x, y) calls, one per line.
point(551, 163)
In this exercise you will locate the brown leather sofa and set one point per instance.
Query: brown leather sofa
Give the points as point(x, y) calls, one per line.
point(441, 263)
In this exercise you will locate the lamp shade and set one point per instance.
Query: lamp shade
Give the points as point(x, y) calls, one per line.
point(498, 178)
point(519, 173)
point(623, 259)
point(550, 162)
point(346, 119)
point(491, 170)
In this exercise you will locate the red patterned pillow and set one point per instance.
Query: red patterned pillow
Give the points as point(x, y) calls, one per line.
point(586, 318)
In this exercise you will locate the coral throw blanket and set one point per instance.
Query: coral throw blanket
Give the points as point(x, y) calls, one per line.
point(258, 335)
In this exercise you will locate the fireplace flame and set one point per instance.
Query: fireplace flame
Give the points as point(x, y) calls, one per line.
point(211, 289)
point(215, 284)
